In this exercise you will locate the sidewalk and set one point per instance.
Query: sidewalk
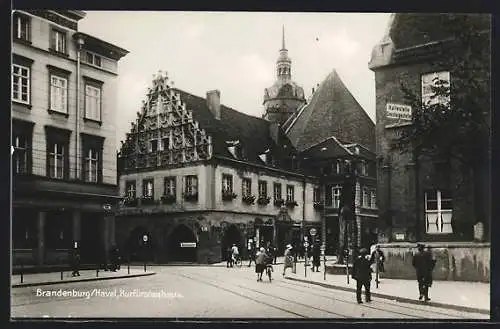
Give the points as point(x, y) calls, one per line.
point(40, 279)
point(458, 295)
point(330, 260)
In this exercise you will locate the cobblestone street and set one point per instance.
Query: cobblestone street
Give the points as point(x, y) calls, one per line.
point(210, 292)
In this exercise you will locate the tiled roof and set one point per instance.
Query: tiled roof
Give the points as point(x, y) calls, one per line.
point(332, 111)
point(255, 134)
point(329, 148)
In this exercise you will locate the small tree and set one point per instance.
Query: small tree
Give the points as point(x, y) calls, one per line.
point(457, 126)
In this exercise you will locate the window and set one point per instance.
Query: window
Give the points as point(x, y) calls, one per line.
point(438, 212)
point(338, 166)
point(277, 191)
point(169, 186)
point(316, 195)
point(148, 188)
point(130, 189)
point(227, 184)
point(246, 187)
point(21, 27)
point(93, 59)
point(58, 94)
point(373, 196)
point(20, 83)
point(191, 187)
point(262, 189)
point(430, 80)
point(336, 193)
point(363, 168)
point(165, 144)
point(366, 198)
point(290, 197)
point(92, 102)
point(58, 41)
point(92, 147)
point(57, 152)
point(20, 156)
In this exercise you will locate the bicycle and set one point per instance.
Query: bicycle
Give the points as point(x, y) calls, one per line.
point(238, 261)
point(269, 270)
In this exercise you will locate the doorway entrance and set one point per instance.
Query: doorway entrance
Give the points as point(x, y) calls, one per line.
point(183, 245)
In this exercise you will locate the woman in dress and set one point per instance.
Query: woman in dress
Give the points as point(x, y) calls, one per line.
point(288, 262)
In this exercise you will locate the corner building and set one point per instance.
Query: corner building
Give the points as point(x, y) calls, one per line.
point(425, 199)
point(63, 107)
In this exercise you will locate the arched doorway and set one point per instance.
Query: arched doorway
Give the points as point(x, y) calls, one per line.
point(138, 249)
point(232, 235)
point(182, 245)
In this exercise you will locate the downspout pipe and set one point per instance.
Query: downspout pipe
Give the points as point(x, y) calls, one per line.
point(79, 45)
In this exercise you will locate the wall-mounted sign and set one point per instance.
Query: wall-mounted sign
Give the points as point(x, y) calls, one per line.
point(188, 244)
point(400, 236)
point(106, 206)
point(145, 238)
point(398, 111)
point(312, 231)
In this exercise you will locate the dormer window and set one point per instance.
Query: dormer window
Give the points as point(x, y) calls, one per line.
point(93, 59)
point(338, 166)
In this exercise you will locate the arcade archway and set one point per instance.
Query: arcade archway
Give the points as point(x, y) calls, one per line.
point(232, 235)
point(182, 245)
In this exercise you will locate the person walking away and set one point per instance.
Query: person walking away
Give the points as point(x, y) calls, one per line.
point(423, 264)
point(288, 261)
point(378, 255)
point(235, 253)
point(316, 257)
point(229, 257)
point(75, 262)
point(251, 253)
point(260, 263)
point(361, 272)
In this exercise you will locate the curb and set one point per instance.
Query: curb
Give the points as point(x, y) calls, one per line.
point(397, 298)
point(22, 285)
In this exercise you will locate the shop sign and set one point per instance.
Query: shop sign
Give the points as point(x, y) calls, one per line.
point(398, 111)
point(188, 244)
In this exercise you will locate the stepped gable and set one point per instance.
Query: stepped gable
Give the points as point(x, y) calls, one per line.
point(332, 111)
point(253, 133)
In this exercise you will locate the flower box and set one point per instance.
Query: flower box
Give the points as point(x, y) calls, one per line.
point(263, 200)
point(228, 195)
point(147, 200)
point(248, 199)
point(191, 197)
point(279, 202)
point(168, 199)
point(291, 204)
point(130, 202)
point(318, 205)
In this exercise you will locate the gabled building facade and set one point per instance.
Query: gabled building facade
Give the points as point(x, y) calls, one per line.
point(63, 138)
point(422, 198)
point(197, 176)
point(335, 139)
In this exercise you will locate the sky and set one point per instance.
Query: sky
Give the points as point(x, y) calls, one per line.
point(236, 53)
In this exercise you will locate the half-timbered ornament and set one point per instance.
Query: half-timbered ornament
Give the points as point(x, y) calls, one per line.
point(164, 134)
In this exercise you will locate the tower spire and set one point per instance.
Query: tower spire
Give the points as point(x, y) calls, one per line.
point(283, 36)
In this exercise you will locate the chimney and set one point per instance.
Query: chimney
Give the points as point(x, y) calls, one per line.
point(313, 90)
point(213, 103)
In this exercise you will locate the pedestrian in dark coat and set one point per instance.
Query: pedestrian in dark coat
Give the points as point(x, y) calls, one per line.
point(75, 262)
point(361, 272)
point(424, 265)
point(378, 258)
point(251, 253)
point(316, 253)
point(229, 257)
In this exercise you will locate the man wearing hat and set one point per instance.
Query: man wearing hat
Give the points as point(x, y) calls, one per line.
point(288, 262)
point(362, 273)
point(423, 264)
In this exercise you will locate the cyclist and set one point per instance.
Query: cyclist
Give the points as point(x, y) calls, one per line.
point(234, 253)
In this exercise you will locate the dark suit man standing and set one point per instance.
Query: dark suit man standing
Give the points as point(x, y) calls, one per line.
point(361, 272)
point(423, 264)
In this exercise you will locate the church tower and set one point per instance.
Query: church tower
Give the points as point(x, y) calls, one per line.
point(284, 97)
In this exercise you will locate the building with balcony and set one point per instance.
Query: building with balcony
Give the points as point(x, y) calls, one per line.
point(426, 198)
point(63, 138)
